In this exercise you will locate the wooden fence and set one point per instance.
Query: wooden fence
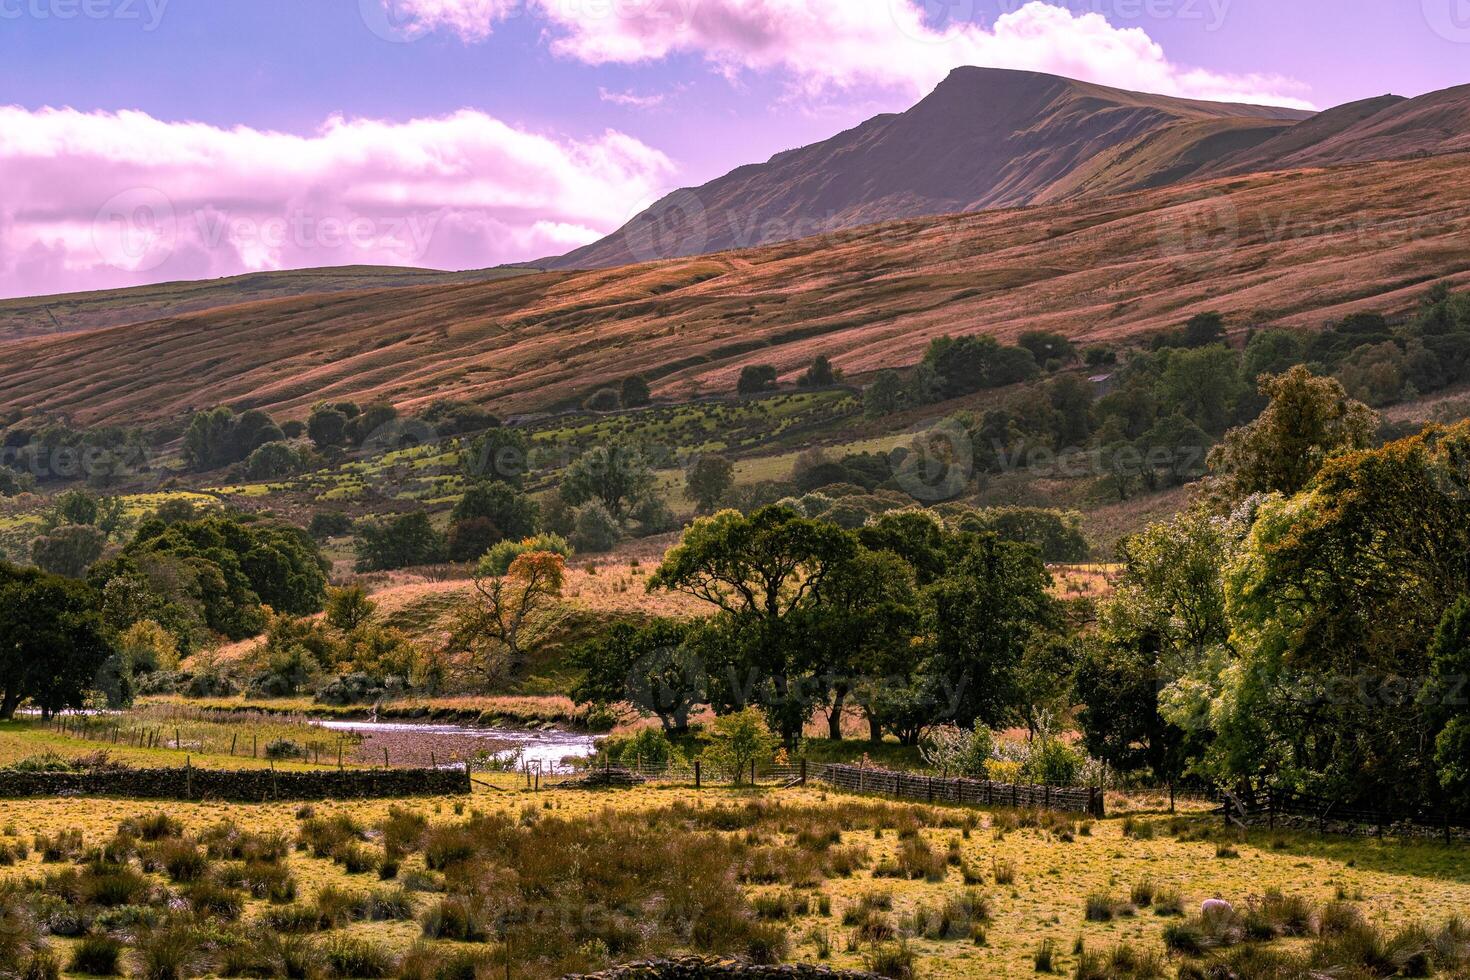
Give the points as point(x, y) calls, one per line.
point(975, 792)
point(1300, 810)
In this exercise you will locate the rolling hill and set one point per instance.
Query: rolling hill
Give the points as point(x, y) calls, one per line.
point(985, 138)
point(1293, 248)
point(71, 312)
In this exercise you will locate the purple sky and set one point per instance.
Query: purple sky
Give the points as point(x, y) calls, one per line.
point(146, 140)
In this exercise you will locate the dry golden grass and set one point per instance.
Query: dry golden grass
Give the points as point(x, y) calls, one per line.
point(1398, 882)
point(1293, 248)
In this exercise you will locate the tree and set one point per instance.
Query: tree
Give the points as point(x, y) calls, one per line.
point(756, 379)
point(1204, 385)
point(327, 427)
point(979, 619)
point(514, 513)
point(884, 396)
point(1449, 659)
point(759, 572)
point(737, 741)
point(329, 524)
point(146, 646)
point(1204, 329)
point(68, 550)
point(821, 373)
point(349, 607)
point(596, 531)
point(634, 392)
point(1045, 346)
point(1175, 447)
point(507, 616)
point(1056, 534)
point(1346, 584)
point(51, 641)
point(1307, 420)
point(617, 475)
point(604, 400)
point(963, 752)
point(709, 477)
point(657, 668)
point(272, 461)
point(500, 453)
point(401, 541)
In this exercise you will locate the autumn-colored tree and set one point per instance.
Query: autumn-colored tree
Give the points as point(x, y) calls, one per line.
point(507, 616)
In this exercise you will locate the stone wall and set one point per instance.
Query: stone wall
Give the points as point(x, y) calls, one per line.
point(699, 968)
point(237, 785)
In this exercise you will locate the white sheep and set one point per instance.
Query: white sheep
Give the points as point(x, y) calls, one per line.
point(1213, 907)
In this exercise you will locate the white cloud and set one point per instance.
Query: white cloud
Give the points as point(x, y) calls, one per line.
point(101, 199)
point(821, 44)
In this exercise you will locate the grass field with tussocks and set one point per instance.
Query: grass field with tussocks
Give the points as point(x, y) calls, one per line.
point(824, 852)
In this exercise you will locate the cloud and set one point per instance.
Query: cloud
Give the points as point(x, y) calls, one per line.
point(631, 100)
point(96, 200)
point(822, 44)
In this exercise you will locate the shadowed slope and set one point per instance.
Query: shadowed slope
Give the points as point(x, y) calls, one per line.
point(985, 138)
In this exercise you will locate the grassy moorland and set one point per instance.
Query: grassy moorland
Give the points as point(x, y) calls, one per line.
point(1297, 251)
point(382, 889)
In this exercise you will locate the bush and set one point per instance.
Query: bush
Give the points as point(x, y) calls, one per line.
point(168, 953)
point(604, 400)
point(497, 561)
point(356, 957)
point(893, 960)
point(596, 530)
point(96, 956)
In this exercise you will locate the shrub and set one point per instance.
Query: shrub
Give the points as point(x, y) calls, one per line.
point(96, 956)
point(208, 898)
point(171, 952)
point(181, 859)
point(285, 748)
point(1044, 959)
point(113, 886)
point(1102, 907)
point(457, 918)
point(892, 960)
point(356, 957)
point(390, 904)
point(1003, 871)
point(1168, 901)
point(1143, 893)
point(294, 918)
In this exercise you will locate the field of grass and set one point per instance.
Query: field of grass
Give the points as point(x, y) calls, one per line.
point(807, 861)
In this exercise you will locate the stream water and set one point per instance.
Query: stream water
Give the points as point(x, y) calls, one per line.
point(418, 743)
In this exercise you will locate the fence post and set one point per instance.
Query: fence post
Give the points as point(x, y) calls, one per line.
point(697, 765)
point(803, 772)
point(188, 778)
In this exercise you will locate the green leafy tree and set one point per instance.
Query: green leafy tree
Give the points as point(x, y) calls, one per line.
point(657, 667)
point(979, 618)
point(884, 396)
point(400, 541)
point(349, 607)
point(1445, 699)
point(1307, 420)
point(634, 392)
point(756, 379)
point(709, 477)
point(596, 531)
point(68, 550)
point(821, 374)
point(52, 642)
point(501, 453)
point(617, 475)
point(1204, 385)
point(736, 741)
point(1204, 329)
point(760, 572)
point(327, 427)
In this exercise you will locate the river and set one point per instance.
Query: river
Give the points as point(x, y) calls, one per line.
point(411, 743)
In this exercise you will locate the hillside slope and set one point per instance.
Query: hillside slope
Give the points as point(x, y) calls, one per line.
point(71, 312)
point(1292, 248)
point(985, 138)
point(1385, 128)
